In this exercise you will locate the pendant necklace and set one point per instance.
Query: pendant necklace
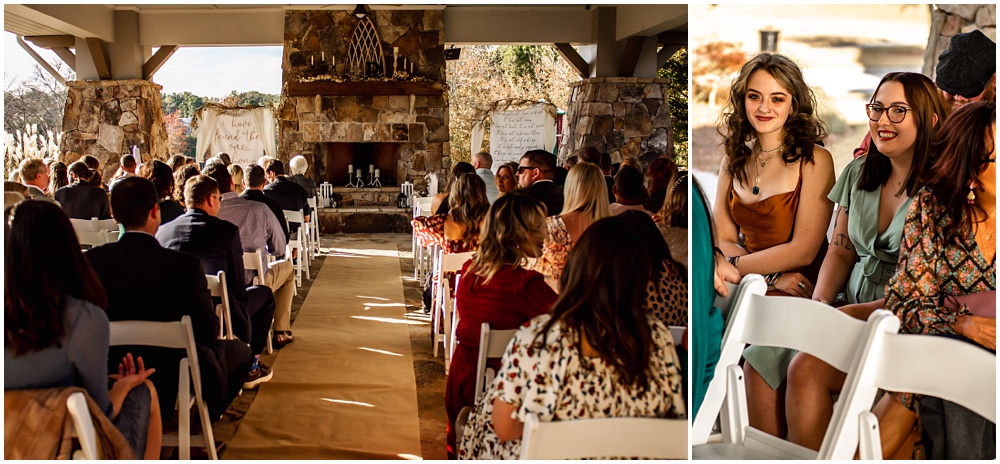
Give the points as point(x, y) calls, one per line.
point(763, 164)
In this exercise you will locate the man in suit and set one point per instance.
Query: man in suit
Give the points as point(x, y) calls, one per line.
point(145, 281)
point(217, 244)
point(288, 194)
point(79, 199)
point(35, 176)
point(534, 175)
point(483, 163)
point(253, 190)
point(260, 230)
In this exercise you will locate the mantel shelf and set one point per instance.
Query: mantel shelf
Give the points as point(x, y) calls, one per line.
point(305, 89)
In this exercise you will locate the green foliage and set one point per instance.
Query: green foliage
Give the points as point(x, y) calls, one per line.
point(185, 102)
point(676, 69)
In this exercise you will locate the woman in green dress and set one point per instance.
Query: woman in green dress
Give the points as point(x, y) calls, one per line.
point(873, 195)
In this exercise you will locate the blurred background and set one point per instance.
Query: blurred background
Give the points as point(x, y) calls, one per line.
point(843, 51)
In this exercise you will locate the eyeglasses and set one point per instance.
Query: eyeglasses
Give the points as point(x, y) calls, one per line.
point(521, 169)
point(896, 112)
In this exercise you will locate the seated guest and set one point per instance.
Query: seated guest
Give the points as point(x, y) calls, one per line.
point(439, 202)
point(506, 178)
point(162, 177)
point(217, 244)
point(136, 267)
point(236, 172)
point(177, 161)
point(81, 199)
point(126, 168)
point(570, 365)
point(56, 330)
point(58, 176)
point(35, 176)
point(570, 162)
point(13, 193)
point(495, 288)
point(593, 155)
point(666, 293)
point(224, 157)
point(608, 169)
point(628, 191)
point(298, 165)
point(263, 161)
point(585, 204)
point(673, 218)
point(97, 178)
point(260, 230)
point(535, 172)
point(181, 176)
point(483, 163)
point(629, 161)
point(253, 184)
point(289, 195)
point(658, 176)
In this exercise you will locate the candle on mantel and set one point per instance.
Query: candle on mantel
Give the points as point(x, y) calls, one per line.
point(411, 68)
point(350, 168)
point(358, 174)
point(371, 167)
point(322, 57)
point(376, 173)
point(312, 60)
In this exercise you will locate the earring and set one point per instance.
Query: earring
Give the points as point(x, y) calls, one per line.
point(971, 197)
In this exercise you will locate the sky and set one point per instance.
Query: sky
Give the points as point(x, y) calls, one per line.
point(203, 71)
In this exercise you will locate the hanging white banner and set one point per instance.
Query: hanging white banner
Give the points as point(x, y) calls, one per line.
point(245, 135)
point(514, 132)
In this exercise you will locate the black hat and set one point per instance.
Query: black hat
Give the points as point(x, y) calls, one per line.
point(967, 65)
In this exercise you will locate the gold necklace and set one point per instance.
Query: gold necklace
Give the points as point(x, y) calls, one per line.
point(763, 164)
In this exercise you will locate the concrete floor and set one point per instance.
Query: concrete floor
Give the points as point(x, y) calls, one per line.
point(428, 371)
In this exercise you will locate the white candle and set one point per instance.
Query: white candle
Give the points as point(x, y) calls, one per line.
point(334, 60)
point(322, 57)
point(350, 168)
point(358, 174)
point(312, 60)
point(376, 173)
point(411, 67)
point(371, 167)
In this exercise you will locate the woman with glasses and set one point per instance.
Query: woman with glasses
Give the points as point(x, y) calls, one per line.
point(873, 195)
point(495, 289)
point(771, 211)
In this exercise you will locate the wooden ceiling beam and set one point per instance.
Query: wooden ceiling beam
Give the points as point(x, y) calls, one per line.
point(52, 41)
point(630, 57)
point(156, 61)
point(101, 61)
point(574, 59)
point(66, 55)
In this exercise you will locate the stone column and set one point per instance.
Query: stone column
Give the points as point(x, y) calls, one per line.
point(106, 118)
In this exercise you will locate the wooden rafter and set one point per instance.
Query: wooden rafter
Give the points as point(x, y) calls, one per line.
point(52, 41)
point(100, 57)
point(66, 55)
point(574, 59)
point(630, 58)
point(156, 61)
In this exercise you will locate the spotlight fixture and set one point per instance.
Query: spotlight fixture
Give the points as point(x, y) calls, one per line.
point(360, 11)
point(452, 53)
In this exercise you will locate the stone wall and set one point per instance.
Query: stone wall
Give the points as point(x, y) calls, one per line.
point(106, 118)
point(313, 39)
point(623, 116)
point(948, 20)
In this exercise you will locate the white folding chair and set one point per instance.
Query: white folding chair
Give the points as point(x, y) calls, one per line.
point(421, 256)
point(255, 262)
point(313, 228)
point(178, 335)
point(83, 426)
point(492, 344)
point(298, 242)
point(788, 322)
point(963, 374)
point(94, 224)
point(639, 437)
point(443, 306)
point(95, 232)
point(218, 288)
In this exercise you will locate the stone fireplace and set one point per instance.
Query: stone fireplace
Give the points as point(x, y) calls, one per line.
point(398, 125)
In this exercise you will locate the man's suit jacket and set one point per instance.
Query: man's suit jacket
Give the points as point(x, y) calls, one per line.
point(147, 282)
point(289, 195)
point(217, 244)
point(257, 195)
point(548, 193)
point(84, 201)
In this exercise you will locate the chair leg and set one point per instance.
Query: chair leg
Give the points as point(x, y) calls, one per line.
point(184, 413)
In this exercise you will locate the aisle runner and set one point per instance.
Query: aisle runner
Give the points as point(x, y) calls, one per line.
point(345, 388)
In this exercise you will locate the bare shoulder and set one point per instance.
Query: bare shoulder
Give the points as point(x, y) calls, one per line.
point(822, 164)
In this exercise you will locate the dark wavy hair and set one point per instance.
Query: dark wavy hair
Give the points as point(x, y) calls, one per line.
point(925, 102)
point(803, 129)
point(603, 291)
point(58, 176)
point(44, 266)
point(468, 202)
point(961, 154)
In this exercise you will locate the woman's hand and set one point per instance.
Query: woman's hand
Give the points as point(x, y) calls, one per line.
point(982, 330)
point(795, 284)
point(724, 272)
point(129, 375)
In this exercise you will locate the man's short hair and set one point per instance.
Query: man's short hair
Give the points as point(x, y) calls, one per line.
point(590, 155)
point(127, 161)
point(571, 161)
point(132, 198)
point(80, 170)
point(254, 175)
point(628, 183)
point(220, 173)
point(541, 159)
point(30, 168)
point(605, 162)
point(276, 167)
point(225, 158)
point(91, 162)
point(298, 165)
point(198, 188)
point(484, 159)
point(160, 174)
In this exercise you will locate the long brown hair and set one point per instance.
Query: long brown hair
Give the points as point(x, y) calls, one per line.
point(803, 129)
point(925, 103)
point(962, 153)
point(44, 266)
point(468, 202)
point(603, 290)
point(512, 232)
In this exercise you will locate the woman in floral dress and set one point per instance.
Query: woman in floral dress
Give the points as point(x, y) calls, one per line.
point(567, 365)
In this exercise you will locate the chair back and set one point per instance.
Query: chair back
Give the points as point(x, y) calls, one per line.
point(218, 288)
point(294, 216)
point(421, 206)
point(311, 201)
point(639, 437)
point(453, 262)
point(94, 224)
point(96, 238)
point(254, 261)
point(492, 344)
point(83, 425)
